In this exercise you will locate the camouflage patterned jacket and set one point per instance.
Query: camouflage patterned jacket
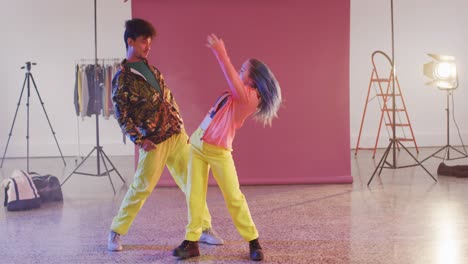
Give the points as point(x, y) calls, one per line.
point(140, 110)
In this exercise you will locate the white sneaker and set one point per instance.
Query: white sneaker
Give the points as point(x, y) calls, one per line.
point(209, 236)
point(113, 242)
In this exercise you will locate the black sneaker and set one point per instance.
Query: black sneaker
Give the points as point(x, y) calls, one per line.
point(256, 253)
point(187, 249)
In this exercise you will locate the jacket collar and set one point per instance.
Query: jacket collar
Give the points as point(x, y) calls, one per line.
point(125, 62)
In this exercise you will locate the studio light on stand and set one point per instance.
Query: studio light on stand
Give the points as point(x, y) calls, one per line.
point(443, 74)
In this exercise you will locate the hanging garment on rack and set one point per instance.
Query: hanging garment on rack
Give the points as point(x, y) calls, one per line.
point(105, 109)
point(94, 89)
point(93, 95)
point(84, 91)
point(107, 98)
point(80, 91)
point(77, 92)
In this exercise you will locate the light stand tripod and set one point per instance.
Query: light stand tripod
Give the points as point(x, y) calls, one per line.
point(394, 141)
point(100, 154)
point(448, 146)
point(27, 79)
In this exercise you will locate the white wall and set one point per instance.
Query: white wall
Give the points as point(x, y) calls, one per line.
point(421, 26)
point(55, 34)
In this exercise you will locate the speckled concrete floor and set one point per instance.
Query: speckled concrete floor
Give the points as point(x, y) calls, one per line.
point(403, 217)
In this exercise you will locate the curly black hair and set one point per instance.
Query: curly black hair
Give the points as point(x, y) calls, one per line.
point(138, 27)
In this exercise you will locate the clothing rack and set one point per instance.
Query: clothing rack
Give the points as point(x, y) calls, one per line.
point(83, 92)
point(100, 154)
point(86, 90)
point(103, 60)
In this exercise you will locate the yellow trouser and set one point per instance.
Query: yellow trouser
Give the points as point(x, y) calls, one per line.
point(203, 156)
point(173, 152)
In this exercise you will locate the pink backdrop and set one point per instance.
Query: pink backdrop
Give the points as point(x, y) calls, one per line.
point(305, 43)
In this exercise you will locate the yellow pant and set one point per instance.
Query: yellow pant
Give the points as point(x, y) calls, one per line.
point(202, 157)
point(173, 152)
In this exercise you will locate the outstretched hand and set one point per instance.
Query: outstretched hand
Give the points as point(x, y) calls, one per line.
point(215, 43)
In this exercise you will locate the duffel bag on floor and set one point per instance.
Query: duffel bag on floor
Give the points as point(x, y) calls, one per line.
point(48, 187)
point(20, 192)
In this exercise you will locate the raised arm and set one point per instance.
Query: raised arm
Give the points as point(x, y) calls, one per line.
point(232, 76)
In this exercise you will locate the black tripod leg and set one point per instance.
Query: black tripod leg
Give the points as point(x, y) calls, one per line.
point(464, 154)
point(384, 160)
point(101, 155)
point(48, 120)
point(415, 159)
point(446, 154)
point(78, 166)
point(381, 162)
point(14, 119)
point(27, 121)
point(435, 153)
point(115, 169)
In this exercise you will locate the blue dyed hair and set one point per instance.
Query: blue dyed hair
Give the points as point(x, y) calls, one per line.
point(269, 89)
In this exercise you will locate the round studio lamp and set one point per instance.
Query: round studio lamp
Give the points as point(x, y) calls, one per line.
point(443, 74)
point(446, 71)
point(442, 71)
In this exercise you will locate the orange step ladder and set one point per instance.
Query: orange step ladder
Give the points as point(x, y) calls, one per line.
point(385, 102)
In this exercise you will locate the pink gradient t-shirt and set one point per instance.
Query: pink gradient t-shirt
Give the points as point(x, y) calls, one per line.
point(222, 129)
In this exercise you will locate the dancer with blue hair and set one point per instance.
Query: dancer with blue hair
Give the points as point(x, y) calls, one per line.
point(255, 91)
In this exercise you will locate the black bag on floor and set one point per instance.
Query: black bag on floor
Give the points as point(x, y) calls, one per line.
point(459, 171)
point(48, 187)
